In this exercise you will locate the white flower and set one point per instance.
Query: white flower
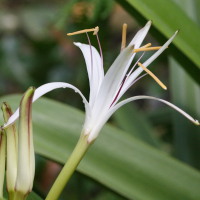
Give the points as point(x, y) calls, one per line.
point(106, 90)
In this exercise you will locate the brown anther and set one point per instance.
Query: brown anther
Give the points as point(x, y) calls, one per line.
point(124, 30)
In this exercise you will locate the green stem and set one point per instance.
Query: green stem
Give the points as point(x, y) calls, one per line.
point(69, 168)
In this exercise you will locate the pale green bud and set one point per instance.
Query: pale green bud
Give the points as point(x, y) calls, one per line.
point(2, 159)
point(12, 148)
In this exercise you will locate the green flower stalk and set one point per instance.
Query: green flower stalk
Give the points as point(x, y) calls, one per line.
point(12, 148)
point(2, 159)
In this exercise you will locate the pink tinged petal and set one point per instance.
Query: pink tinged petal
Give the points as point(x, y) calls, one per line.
point(112, 81)
point(43, 90)
point(138, 71)
point(123, 89)
point(98, 126)
point(137, 41)
point(95, 71)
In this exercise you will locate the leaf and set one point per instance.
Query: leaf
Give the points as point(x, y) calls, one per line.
point(131, 120)
point(117, 160)
point(167, 17)
point(186, 94)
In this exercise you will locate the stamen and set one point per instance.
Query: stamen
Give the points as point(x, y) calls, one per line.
point(100, 50)
point(96, 29)
point(146, 45)
point(119, 90)
point(153, 76)
point(90, 54)
point(146, 49)
point(124, 36)
point(135, 64)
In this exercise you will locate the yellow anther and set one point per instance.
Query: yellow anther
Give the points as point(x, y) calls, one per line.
point(124, 29)
point(153, 76)
point(146, 49)
point(146, 45)
point(96, 29)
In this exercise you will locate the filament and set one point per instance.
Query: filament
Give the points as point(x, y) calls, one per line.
point(153, 76)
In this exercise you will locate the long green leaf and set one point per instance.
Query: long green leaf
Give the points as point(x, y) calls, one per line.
point(186, 94)
point(131, 120)
point(167, 17)
point(117, 160)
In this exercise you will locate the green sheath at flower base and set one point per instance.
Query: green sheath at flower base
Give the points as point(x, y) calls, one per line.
point(26, 157)
point(12, 148)
point(2, 159)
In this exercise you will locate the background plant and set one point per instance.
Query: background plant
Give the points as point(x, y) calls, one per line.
point(129, 152)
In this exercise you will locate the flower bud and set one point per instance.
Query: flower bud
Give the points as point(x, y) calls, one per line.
point(26, 157)
point(12, 148)
point(2, 159)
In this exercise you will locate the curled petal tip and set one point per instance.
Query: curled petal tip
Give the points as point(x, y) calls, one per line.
point(196, 122)
point(177, 31)
point(150, 22)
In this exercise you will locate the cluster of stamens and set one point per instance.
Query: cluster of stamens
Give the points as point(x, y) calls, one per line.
point(144, 48)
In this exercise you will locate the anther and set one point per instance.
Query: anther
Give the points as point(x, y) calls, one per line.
point(146, 45)
point(96, 29)
point(153, 76)
point(124, 29)
point(146, 49)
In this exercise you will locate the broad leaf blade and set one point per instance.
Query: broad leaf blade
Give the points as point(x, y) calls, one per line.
point(167, 18)
point(117, 160)
point(131, 120)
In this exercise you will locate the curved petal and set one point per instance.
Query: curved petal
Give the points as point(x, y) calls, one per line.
point(111, 82)
point(97, 128)
point(140, 35)
point(43, 90)
point(138, 71)
point(95, 71)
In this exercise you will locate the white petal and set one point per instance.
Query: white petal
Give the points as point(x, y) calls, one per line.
point(43, 90)
point(97, 128)
point(137, 41)
point(140, 35)
point(95, 72)
point(138, 71)
point(111, 81)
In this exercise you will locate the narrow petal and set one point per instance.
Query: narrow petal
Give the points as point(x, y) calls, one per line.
point(111, 81)
point(43, 90)
point(95, 71)
point(140, 35)
point(138, 71)
point(97, 128)
point(26, 157)
point(137, 41)
point(12, 148)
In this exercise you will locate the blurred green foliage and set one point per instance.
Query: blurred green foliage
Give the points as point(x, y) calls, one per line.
point(34, 50)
